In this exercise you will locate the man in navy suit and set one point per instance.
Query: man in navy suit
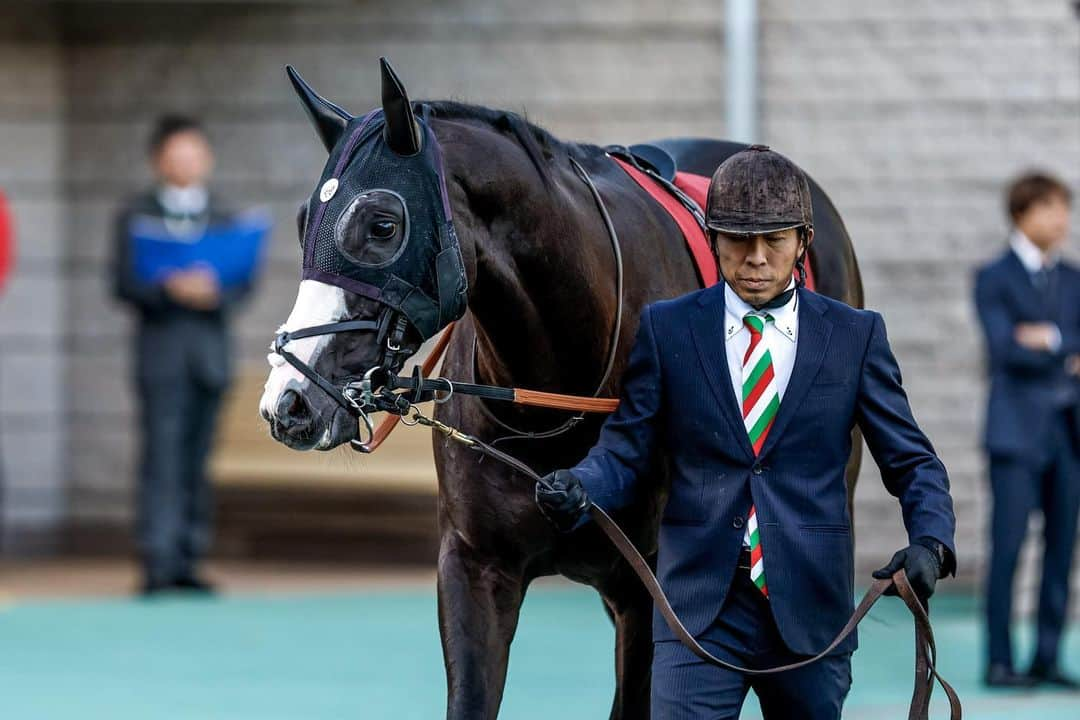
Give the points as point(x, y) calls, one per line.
point(745, 394)
point(182, 363)
point(1029, 305)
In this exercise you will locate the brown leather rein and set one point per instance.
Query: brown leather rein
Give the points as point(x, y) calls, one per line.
point(925, 647)
point(532, 398)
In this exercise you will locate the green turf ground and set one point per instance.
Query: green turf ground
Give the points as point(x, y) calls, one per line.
point(376, 655)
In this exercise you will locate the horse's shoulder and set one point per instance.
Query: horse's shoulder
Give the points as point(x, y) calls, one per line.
point(667, 308)
point(839, 312)
point(668, 313)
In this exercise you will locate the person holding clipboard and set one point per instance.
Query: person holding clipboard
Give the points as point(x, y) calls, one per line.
point(183, 263)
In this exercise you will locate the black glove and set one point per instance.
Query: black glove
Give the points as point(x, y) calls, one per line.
point(565, 502)
point(922, 561)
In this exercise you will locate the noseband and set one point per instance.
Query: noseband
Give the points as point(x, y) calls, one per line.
point(356, 397)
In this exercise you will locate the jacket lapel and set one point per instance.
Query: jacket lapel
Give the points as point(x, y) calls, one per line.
point(813, 342)
point(707, 329)
point(1024, 284)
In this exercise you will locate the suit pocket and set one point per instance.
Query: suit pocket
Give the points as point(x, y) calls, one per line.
point(827, 388)
point(686, 501)
point(827, 529)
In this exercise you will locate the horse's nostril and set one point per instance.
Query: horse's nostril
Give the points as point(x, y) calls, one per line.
point(292, 411)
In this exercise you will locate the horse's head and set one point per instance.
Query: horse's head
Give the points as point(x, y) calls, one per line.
point(382, 268)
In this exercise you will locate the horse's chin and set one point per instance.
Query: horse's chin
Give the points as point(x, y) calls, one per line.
point(341, 429)
point(338, 430)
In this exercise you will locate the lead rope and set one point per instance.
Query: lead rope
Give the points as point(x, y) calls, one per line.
point(925, 648)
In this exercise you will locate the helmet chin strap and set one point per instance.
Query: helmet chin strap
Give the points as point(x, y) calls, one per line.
point(800, 281)
point(778, 301)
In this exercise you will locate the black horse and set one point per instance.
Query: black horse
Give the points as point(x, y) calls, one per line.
point(541, 312)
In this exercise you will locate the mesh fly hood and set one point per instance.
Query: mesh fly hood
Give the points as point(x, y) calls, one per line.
point(419, 272)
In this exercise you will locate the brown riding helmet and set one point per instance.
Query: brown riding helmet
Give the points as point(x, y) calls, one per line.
point(758, 190)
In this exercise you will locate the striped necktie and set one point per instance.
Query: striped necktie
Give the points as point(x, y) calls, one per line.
point(760, 401)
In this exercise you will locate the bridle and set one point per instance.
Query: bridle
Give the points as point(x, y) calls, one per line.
point(376, 391)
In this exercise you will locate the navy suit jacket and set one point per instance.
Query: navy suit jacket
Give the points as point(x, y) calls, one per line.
point(677, 405)
point(1024, 383)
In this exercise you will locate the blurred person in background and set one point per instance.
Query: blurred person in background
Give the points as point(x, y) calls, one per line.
point(181, 364)
point(1028, 301)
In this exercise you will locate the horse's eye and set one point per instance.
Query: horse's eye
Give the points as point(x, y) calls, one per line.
point(373, 228)
point(383, 229)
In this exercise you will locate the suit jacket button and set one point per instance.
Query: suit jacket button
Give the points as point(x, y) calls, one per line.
point(737, 522)
point(756, 469)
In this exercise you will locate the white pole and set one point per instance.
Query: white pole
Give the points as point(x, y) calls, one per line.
point(741, 36)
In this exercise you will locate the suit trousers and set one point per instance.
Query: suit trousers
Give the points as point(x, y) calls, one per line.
point(686, 688)
point(174, 504)
point(1019, 486)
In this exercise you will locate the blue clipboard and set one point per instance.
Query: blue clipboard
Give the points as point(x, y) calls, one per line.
point(232, 249)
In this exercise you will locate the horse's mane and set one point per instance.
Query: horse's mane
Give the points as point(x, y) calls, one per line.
point(540, 145)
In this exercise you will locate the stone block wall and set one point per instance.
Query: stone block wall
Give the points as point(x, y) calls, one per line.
point(911, 115)
point(915, 116)
point(33, 436)
point(609, 71)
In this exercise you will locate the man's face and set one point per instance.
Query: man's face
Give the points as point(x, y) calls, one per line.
point(184, 159)
point(759, 267)
point(1046, 222)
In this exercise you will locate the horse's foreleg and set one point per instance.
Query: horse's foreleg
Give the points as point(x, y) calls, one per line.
point(479, 603)
point(630, 609)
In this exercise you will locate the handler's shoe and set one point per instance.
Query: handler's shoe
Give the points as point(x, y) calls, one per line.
point(151, 588)
point(1053, 676)
point(195, 584)
point(1002, 676)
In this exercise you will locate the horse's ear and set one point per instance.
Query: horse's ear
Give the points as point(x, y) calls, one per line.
point(402, 132)
point(329, 119)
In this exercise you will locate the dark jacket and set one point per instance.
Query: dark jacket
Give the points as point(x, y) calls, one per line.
point(1026, 386)
point(172, 341)
point(677, 394)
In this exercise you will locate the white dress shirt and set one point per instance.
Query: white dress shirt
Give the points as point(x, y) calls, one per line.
point(1032, 258)
point(191, 200)
point(184, 208)
point(781, 336)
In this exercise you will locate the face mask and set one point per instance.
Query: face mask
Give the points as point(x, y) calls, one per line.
point(379, 224)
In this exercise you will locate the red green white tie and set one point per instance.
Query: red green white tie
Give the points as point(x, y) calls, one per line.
point(760, 401)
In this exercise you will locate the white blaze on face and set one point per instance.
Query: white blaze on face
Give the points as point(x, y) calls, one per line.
point(316, 304)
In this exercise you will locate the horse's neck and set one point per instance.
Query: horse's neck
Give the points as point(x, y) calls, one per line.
point(544, 300)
